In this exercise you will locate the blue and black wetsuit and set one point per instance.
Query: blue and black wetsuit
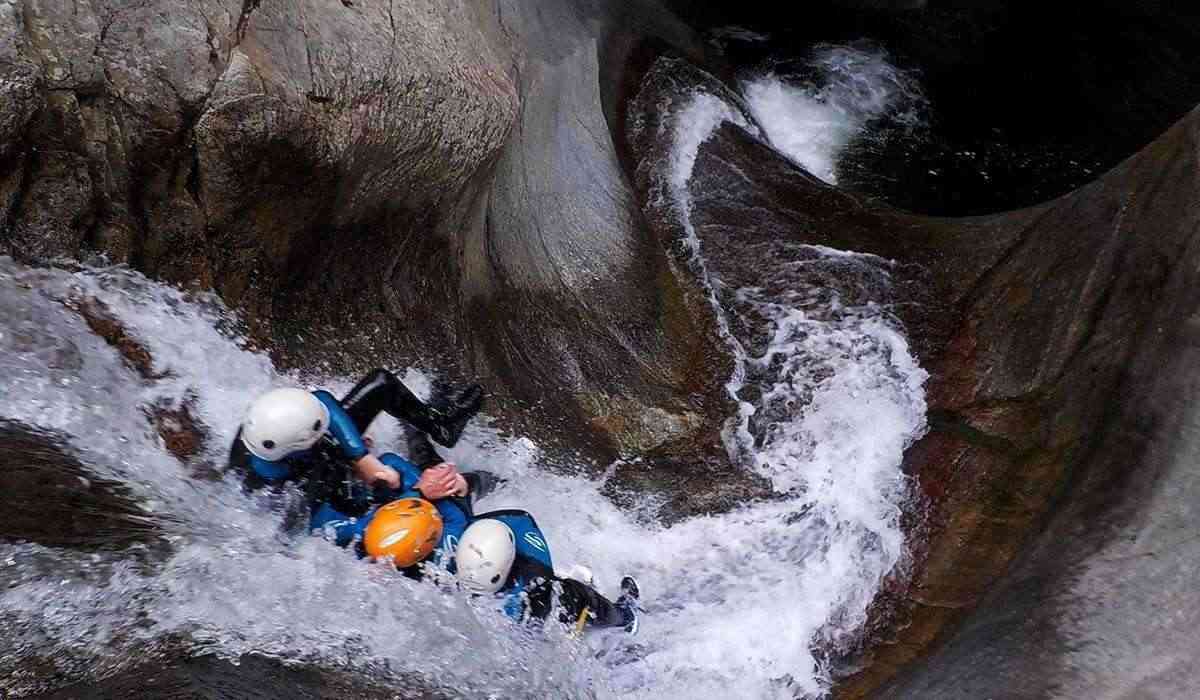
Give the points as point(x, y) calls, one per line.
point(530, 587)
point(344, 530)
point(324, 470)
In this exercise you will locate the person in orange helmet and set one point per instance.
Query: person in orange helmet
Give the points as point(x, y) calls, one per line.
point(404, 532)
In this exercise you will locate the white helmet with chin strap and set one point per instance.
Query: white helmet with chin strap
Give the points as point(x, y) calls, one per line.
point(283, 421)
point(485, 555)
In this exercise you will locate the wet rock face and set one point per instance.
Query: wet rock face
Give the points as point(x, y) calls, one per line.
point(51, 499)
point(669, 489)
point(370, 185)
point(182, 434)
point(1069, 381)
point(1060, 458)
point(593, 322)
point(180, 677)
point(238, 145)
point(101, 322)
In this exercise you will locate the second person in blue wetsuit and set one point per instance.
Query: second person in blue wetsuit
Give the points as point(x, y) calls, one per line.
point(504, 552)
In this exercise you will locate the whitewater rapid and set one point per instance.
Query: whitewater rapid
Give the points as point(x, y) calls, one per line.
point(847, 88)
point(737, 605)
point(838, 398)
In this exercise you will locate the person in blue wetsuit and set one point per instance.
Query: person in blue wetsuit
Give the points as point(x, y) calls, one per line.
point(505, 552)
point(344, 530)
point(316, 441)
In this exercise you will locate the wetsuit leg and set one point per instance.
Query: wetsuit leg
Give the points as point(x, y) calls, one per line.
point(383, 391)
point(481, 482)
point(577, 596)
point(377, 392)
point(421, 451)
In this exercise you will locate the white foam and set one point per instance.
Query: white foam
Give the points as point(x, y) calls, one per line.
point(813, 123)
point(767, 585)
point(234, 584)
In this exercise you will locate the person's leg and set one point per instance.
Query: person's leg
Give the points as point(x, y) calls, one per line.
point(421, 451)
point(579, 599)
point(452, 410)
point(370, 397)
point(481, 482)
point(383, 391)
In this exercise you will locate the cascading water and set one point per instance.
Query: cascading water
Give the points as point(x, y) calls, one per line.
point(231, 583)
point(737, 604)
point(812, 121)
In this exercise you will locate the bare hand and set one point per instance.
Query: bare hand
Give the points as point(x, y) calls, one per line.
point(371, 470)
point(441, 481)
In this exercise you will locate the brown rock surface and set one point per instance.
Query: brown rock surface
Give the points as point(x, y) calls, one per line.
point(1058, 344)
point(51, 498)
point(369, 184)
point(1067, 384)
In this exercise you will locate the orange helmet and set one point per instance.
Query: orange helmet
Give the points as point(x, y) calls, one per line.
point(405, 531)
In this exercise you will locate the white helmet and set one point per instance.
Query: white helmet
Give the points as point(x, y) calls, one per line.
point(283, 421)
point(485, 555)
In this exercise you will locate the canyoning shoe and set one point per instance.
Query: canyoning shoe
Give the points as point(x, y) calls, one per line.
point(452, 411)
point(628, 603)
point(482, 482)
point(582, 573)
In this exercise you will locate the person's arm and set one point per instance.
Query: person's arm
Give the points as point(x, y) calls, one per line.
point(342, 429)
point(344, 433)
point(370, 470)
point(409, 472)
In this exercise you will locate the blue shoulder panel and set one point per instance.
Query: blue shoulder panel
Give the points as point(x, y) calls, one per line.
point(531, 543)
point(341, 427)
point(271, 471)
point(454, 523)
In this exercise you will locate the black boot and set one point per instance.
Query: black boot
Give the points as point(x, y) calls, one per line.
point(382, 391)
point(481, 482)
point(421, 451)
point(450, 411)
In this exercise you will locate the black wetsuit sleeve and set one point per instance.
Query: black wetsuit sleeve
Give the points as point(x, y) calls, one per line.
point(480, 483)
point(421, 451)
